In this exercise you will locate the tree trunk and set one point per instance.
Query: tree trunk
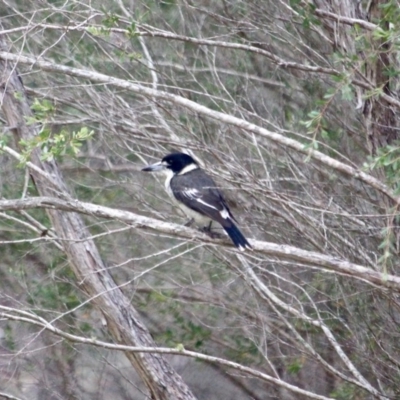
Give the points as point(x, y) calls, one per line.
point(380, 119)
point(123, 320)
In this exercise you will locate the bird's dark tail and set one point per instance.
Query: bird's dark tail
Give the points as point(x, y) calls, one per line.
point(237, 237)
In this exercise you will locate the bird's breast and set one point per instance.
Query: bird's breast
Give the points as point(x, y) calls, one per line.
point(199, 219)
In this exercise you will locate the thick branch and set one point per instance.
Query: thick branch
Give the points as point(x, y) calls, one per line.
point(282, 252)
point(369, 26)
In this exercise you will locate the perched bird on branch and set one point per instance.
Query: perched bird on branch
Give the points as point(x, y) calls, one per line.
point(197, 195)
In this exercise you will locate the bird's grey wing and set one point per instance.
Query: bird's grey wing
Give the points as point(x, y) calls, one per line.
point(199, 192)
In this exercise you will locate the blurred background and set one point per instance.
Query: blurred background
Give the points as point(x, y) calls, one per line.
point(286, 66)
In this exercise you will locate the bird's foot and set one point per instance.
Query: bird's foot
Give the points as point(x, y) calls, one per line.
point(189, 223)
point(212, 234)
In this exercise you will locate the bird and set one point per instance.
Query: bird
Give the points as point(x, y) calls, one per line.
point(196, 193)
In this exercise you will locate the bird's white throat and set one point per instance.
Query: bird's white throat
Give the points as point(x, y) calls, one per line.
point(188, 168)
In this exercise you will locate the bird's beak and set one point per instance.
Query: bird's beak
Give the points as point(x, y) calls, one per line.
point(154, 167)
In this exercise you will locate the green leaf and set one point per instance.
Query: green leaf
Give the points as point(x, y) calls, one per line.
point(347, 93)
point(180, 347)
point(295, 367)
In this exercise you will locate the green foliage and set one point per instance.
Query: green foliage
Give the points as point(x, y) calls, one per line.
point(9, 337)
point(51, 144)
point(314, 120)
point(180, 347)
point(183, 331)
point(131, 30)
point(186, 332)
point(295, 366)
point(387, 246)
point(4, 139)
point(317, 123)
point(306, 12)
point(347, 92)
point(390, 13)
point(85, 327)
point(345, 391)
point(43, 110)
point(56, 295)
point(388, 158)
point(55, 145)
point(167, 5)
point(243, 349)
point(96, 31)
point(382, 34)
point(388, 25)
point(110, 20)
point(18, 95)
point(51, 296)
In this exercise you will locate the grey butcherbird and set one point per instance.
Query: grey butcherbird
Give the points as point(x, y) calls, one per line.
point(197, 195)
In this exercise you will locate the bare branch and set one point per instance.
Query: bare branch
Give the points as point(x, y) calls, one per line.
point(146, 30)
point(38, 321)
point(219, 116)
point(9, 396)
point(264, 291)
point(270, 249)
point(346, 20)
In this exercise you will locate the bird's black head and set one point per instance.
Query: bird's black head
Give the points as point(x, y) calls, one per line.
point(178, 161)
point(175, 162)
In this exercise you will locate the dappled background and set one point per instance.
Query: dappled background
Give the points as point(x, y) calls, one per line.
point(279, 65)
